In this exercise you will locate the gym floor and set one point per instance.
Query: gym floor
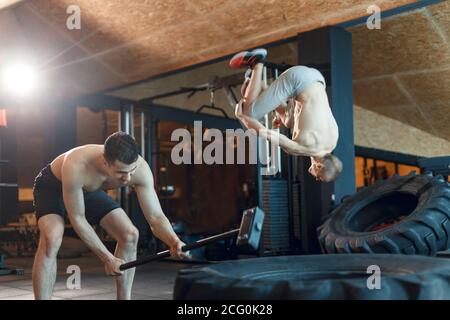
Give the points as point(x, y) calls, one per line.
point(153, 281)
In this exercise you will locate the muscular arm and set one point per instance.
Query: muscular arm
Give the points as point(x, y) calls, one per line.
point(151, 207)
point(275, 137)
point(74, 202)
point(283, 115)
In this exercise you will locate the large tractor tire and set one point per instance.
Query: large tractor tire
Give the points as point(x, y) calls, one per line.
point(318, 277)
point(402, 215)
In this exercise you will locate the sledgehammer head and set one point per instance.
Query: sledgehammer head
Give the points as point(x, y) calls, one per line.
point(251, 228)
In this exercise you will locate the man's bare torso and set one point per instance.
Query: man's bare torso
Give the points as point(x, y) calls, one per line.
point(313, 124)
point(87, 158)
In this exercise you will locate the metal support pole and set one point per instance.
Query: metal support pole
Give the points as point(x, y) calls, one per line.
point(267, 125)
point(278, 149)
point(131, 121)
point(124, 126)
point(143, 134)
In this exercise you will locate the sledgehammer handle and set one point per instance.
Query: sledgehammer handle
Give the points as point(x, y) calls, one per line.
point(166, 253)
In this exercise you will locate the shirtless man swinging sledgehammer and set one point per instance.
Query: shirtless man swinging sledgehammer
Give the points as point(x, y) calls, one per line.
point(73, 186)
point(315, 132)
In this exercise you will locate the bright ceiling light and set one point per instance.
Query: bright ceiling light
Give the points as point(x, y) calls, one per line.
point(19, 79)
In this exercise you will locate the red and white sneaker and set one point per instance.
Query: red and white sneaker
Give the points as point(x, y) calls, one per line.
point(247, 59)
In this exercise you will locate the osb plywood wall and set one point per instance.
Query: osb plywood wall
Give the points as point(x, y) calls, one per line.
point(403, 70)
point(374, 130)
point(124, 41)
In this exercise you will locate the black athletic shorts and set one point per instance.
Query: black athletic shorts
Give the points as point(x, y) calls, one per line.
point(48, 198)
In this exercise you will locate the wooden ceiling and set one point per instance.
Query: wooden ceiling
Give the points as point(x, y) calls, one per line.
point(125, 41)
point(403, 70)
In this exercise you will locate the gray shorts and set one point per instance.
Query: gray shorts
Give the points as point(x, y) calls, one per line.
point(289, 84)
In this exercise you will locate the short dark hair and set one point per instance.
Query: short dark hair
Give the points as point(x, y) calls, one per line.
point(122, 147)
point(332, 166)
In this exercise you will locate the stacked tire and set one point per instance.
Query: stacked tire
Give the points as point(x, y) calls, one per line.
point(417, 206)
